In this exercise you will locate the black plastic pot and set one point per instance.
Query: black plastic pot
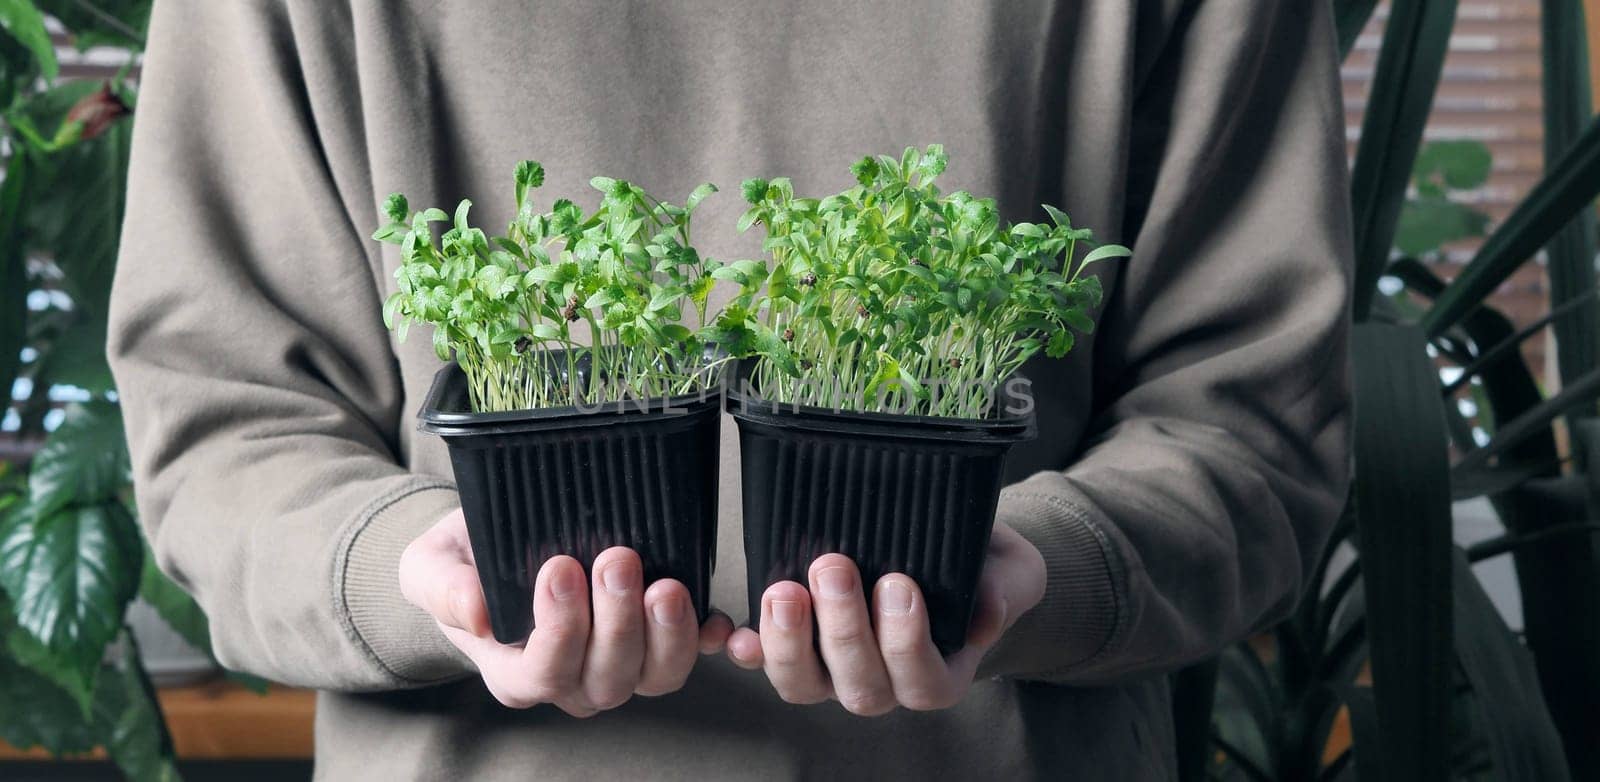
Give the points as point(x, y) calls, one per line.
point(576, 481)
point(896, 493)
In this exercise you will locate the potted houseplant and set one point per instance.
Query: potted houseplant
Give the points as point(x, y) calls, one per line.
point(882, 394)
point(579, 412)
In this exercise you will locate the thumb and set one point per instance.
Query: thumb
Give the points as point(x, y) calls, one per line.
point(436, 577)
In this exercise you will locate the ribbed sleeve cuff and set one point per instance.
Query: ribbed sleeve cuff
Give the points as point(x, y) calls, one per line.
point(399, 637)
point(1084, 610)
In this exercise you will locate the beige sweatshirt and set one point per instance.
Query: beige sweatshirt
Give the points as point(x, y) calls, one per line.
point(1192, 455)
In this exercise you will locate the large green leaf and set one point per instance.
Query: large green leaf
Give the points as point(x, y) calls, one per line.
point(132, 727)
point(1428, 223)
point(83, 462)
point(1568, 186)
point(70, 575)
point(34, 712)
point(23, 21)
point(1409, 62)
point(77, 681)
point(1570, 254)
point(1402, 496)
point(1522, 740)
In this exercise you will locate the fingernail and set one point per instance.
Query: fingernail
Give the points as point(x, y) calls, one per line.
point(786, 614)
point(617, 578)
point(565, 583)
point(835, 582)
point(668, 612)
point(894, 598)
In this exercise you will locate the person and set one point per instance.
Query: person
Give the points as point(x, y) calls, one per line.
point(1192, 455)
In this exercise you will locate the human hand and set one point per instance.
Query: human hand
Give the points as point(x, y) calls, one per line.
point(584, 656)
point(872, 663)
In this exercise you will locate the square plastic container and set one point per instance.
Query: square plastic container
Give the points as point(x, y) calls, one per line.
point(576, 481)
point(896, 493)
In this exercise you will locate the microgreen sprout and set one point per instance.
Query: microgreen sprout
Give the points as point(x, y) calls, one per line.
point(611, 287)
point(892, 297)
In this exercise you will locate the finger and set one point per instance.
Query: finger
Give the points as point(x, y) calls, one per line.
point(553, 659)
point(501, 667)
point(990, 617)
point(715, 632)
point(744, 649)
point(436, 574)
point(916, 670)
point(787, 653)
point(616, 637)
point(671, 640)
point(849, 649)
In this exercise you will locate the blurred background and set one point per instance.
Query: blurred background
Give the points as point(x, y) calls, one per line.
point(1456, 633)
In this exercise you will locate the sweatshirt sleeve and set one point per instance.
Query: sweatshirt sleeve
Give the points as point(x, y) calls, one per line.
point(260, 391)
point(1217, 462)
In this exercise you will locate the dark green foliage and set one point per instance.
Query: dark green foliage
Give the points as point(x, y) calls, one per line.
point(1455, 694)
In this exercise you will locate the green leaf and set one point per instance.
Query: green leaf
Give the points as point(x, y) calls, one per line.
point(397, 209)
point(1428, 223)
point(1060, 344)
point(133, 728)
point(1401, 491)
point(1409, 62)
point(76, 681)
point(1509, 709)
point(1105, 251)
point(23, 21)
point(753, 190)
point(391, 233)
point(1568, 186)
point(1570, 254)
point(70, 575)
point(1461, 165)
point(699, 195)
point(1057, 216)
point(84, 461)
point(40, 714)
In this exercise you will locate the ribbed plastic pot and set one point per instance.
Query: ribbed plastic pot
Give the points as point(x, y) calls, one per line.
point(896, 493)
point(576, 481)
